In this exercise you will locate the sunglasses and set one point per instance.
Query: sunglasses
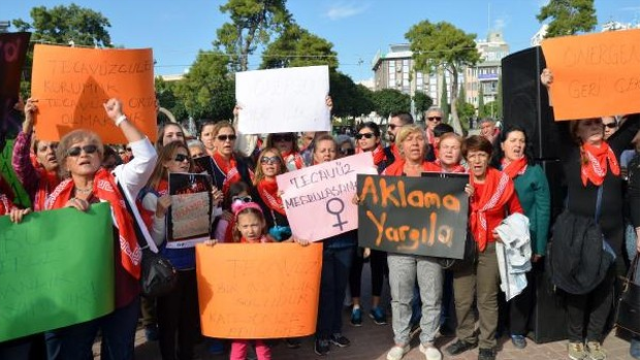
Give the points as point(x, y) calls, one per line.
point(244, 199)
point(365, 135)
point(347, 151)
point(394, 126)
point(180, 158)
point(226, 137)
point(611, 125)
point(76, 150)
point(287, 138)
point(270, 160)
point(434, 118)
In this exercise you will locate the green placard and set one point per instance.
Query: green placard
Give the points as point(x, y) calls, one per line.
point(56, 270)
point(6, 171)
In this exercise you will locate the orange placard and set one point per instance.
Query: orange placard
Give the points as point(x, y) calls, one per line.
point(71, 84)
point(258, 291)
point(594, 75)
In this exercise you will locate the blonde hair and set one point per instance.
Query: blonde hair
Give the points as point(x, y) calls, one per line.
point(166, 154)
point(405, 131)
point(237, 235)
point(259, 174)
point(76, 136)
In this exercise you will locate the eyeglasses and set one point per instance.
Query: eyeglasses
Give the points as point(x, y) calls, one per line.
point(287, 138)
point(180, 158)
point(270, 160)
point(244, 199)
point(76, 150)
point(347, 151)
point(434, 118)
point(394, 126)
point(365, 135)
point(611, 125)
point(226, 137)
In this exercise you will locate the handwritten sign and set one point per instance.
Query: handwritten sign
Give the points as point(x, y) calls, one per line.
point(190, 216)
point(13, 51)
point(72, 84)
point(322, 194)
point(594, 75)
point(417, 216)
point(56, 269)
point(6, 171)
point(283, 100)
point(258, 291)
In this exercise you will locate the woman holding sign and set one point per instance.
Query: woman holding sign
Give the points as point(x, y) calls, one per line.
point(493, 198)
point(80, 156)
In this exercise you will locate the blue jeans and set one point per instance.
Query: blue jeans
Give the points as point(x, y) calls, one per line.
point(336, 264)
point(75, 342)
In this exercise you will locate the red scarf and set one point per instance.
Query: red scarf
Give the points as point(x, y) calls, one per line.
point(395, 151)
point(230, 170)
point(268, 190)
point(262, 240)
point(436, 166)
point(105, 188)
point(163, 187)
point(397, 168)
point(596, 167)
point(498, 189)
point(514, 168)
point(293, 158)
point(377, 153)
point(5, 205)
point(48, 180)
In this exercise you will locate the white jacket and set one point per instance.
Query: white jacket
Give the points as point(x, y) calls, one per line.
point(514, 254)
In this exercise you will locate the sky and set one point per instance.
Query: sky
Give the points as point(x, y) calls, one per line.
point(358, 29)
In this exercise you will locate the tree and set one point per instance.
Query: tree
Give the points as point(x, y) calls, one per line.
point(253, 22)
point(465, 110)
point(348, 98)
point(422, 101)
point(167, 98)
point(481, 112)
point(444, 99)
point(568, 17)
point(387, 101)
point(442, 45)
point(298, 47)
point(491, 109)
point(208, 90)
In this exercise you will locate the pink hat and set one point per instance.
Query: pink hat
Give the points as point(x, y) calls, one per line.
point(239, 206)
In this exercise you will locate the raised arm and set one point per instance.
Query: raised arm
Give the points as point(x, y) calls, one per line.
point(21, 159)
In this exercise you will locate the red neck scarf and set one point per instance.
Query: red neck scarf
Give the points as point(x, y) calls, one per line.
point(395, 151)
point(47, 182)
point(397, 168)
point(514, 168)
point(230, 170)
point(163, 187)
point(268, 190)
point(104, 188)
point(498, 189)
point(436, 166)
point(596, 167)
point(292, 159)
point(377, 153)
point(5, 205)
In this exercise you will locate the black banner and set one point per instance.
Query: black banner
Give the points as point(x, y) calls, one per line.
point(418, 216)
point(13, 51)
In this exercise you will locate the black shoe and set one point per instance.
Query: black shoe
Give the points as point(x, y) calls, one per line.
point(292, 343)
point(339, 340)
point(321, 347)
point(519, 341)
point(446, 331)
point(459, 347)
point(487, 354)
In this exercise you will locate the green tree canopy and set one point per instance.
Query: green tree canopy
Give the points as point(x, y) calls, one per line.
point(298, 47)
point(422, 101)
point(387, 101)
point(481, 112)
point(444, 100)
point(568, 17)
point(253, 22)
point(167, 98)
point(348, 98)
point(443, 45)
point(465, 110)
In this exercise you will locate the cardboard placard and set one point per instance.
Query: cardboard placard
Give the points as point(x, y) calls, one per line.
point(56, 270)
point(323, 194)
point(72, 84)
point(283, 100)
point(594, 75)
point(13, 51)
point(417, 216)
point(189, 221)
point(258, 291)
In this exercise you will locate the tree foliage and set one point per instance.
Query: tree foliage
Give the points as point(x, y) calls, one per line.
point(253, 22)
point(168, 99)
point(465, 110)
point(481, 112)
point(387, 101)
point(208, 90)
point(568, 17)
point(436, 45)
point(422, 101)
point(298, 47)
point(444, 99)
point(348, 98)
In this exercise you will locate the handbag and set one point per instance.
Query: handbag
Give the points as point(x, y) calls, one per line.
point(158, 276)
point(470, 255)
point(628, 312)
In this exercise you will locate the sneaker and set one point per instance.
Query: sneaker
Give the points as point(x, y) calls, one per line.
point(595, 351)
point(576, 351)
point(356, 317)
point(292, 343)
point(459, 347)
point(397, 352)
point(487, 354)
point(519, 341)
point(151, 332)
point(415, 330)
point(339, 340)
point(378, 316)
point(321, 348)
point(634, 349)
point(430, 351)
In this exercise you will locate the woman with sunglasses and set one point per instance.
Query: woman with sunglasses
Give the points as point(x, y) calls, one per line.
point(287, 144)
point(177, 311)
point(80, 154)
point(594, 185)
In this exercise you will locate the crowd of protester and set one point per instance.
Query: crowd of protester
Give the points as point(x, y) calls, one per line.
point(504, 181)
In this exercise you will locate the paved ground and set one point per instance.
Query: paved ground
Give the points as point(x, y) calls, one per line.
point(371, 342)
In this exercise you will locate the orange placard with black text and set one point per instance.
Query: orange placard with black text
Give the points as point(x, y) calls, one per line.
point(594, 75)
point(72, 84)
point(258, 291)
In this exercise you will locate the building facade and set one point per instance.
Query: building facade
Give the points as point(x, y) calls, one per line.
point(486, 74)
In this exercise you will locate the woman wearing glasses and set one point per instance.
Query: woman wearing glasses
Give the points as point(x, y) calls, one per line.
point(80, 154)
point(287, 144)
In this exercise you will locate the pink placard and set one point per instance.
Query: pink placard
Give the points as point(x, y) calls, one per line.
point(318, 199)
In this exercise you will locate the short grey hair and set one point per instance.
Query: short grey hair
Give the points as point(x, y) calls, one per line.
point(434, 109)
point(196, 143)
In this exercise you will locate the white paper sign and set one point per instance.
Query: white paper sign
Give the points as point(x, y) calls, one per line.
point(283, 100)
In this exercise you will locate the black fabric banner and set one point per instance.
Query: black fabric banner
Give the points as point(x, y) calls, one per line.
point(13, 51)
